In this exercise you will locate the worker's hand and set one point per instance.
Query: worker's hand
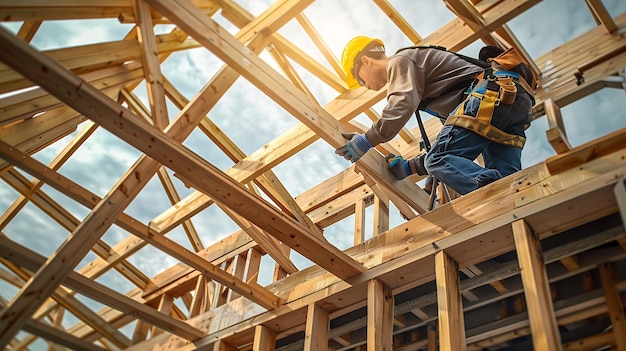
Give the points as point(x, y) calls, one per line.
point(356, 147)
point(398, 166)
point(401, 168)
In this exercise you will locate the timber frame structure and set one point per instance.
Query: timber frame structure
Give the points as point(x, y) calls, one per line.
point(533, 261)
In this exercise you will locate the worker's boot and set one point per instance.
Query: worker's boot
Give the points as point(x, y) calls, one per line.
point(428, 186)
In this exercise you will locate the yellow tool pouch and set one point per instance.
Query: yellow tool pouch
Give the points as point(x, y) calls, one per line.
point(507, 71)
point(508, 90)
point(481, 124)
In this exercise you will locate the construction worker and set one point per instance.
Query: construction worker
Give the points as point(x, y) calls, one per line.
point(444, 84)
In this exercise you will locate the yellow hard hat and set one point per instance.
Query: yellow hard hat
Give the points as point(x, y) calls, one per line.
point(350, 52)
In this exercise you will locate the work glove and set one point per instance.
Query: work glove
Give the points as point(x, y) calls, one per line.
point(356, 147)
point(401, 168)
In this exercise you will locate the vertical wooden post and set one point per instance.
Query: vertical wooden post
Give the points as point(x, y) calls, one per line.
point(239, 266)
point(359, 221)
point(379, 316)
point(219, 297)
point(199, 302)
point(279, 272)
point(223, 346)
point(620, 198)
point(556, 129)
point(381, 215)
point(543, 325)
point(432, 336)
point(141, 332)
point(253, 265)
point(264, 338)
point(151, 63)
point(451, 321)
point(165, 305)
point(316, 330)
point(614, 304)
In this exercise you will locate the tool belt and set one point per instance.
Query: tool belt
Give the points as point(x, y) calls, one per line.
point(501, 89)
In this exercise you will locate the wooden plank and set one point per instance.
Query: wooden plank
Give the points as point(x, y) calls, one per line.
point(558, 140)
point(82, 60)
point(556, 132)
point(451, 322)
point(89, 9)
point(467, 13)
point(591, 343)
point(316, 332)
point(581, 154)
point(614, 304)
point(28, 29)
point(381, 215)
point(200, 302)
point(151, 63)
point(279, 150)
point(264, 338)
point(253, 265)
point(399, 21)
point(36, 134)
point(553, 115)
point(306, 61)
point(592, 305)
point(223, 346)
point(54, 13)
point(379, 316)
point(571, 263)
point(58, 336)
point(168, 185)
point(320, 44)
point(620, 197)
point(359, 221)
point(545, 333)
point(431, 337)
point(165, 307)
point(601, 15)
point(507, 34)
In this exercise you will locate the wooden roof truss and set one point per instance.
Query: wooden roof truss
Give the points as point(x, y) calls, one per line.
point(211, 299)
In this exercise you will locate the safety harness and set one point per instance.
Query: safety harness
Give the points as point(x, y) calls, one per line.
point(504, 72)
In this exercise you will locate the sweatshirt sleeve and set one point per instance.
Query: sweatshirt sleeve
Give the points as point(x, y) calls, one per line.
point(404, 92)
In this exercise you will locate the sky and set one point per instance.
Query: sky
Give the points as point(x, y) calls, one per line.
point(252, 119)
